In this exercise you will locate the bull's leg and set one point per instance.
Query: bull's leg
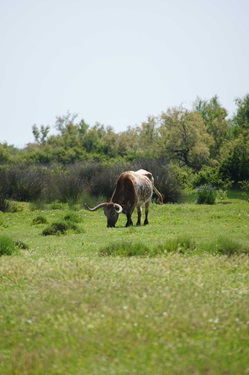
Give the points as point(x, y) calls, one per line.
point(139, 212)
point(146, 213)
point(129, 221)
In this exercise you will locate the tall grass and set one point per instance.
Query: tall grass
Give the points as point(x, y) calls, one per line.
point(7, 245)
point(128, 248)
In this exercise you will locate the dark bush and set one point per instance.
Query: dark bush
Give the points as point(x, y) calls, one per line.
point(55, 229)
point(7, 246)
point(206, 195)
point(69, 183)
point(22, 183)
point(40, 220)
point(72, 217)
point(103, 183)
point(61, 228)
point(4, 191)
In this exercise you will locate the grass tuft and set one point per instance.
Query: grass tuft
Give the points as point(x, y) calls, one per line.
point(226, 246)
point(128, 249)
point(41, 219)
point(21, 245)
point(180, 245)
point(125, 249)
point(60, 228)
point(72, 217)
point(55, 229)
point(7, 246)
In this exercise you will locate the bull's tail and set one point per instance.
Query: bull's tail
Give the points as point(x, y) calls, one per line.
point(160, 197)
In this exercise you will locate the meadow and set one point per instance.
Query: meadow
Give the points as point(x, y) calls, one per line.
point(171, 297)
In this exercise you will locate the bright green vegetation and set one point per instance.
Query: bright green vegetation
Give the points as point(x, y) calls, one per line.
point(168, 298)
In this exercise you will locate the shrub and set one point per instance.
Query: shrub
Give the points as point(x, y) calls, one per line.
point(128, 249)
point(225, 246)
point(180, 244)
point(23, 183)
point(244, 185)
point(40, 220)
point(103, 182)
point(69, 188)
point(206, 195)
point(221, 195)
point(60, 228)
point(209, 176)
point(21, 245)
point(72, 217)
point(55, 229)
point(125, 249)
point(4, 205)
point(7, 246)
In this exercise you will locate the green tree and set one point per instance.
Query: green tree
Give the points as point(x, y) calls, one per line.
point(235, 152)
point(241, 118)
point(183, 136)
point(235, 162)
point(149, 144)
point(41, 134)
point(214, 116)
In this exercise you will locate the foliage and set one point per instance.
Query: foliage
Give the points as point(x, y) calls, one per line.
point(182, 141)
point(241, 118)
point(244, 185)
point(184, 137)
point(21, 245)
point(7, 245)
point(180, 244)
point(61, 227)
point(206, 194)
point(42, 134)
point(69, 223)
point(40, 219)
point(226, 246)
point(22, 183)
point(235, 160)
point(214, 116)
point(125, 249)
point(209, 176)
point(128, 248)
point(72, 217)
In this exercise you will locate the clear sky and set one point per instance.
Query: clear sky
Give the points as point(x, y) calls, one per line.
point(117, 61)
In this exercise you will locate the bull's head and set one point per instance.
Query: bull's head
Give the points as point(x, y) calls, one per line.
point(111, 210)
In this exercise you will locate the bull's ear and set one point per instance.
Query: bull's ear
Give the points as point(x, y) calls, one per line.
point(118, 208)
point(96, 207)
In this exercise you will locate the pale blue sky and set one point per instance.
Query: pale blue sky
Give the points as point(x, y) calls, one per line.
point(116, 62)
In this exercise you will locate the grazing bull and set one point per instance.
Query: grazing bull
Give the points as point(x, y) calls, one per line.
point(132, 190)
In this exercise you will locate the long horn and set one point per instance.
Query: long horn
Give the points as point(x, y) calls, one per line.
point(118, 208)
point(96, 207)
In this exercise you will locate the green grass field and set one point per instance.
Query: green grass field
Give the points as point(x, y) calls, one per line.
point(168, 298)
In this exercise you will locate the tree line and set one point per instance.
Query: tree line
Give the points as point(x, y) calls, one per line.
point(199, 146)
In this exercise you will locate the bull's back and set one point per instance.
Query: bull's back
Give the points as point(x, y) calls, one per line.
point(125, 192)
point(143, 186)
